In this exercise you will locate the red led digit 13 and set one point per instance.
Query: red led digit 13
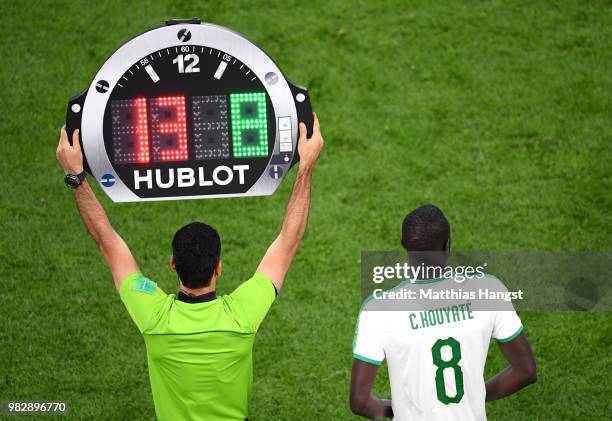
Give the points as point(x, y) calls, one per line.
point(159, 129)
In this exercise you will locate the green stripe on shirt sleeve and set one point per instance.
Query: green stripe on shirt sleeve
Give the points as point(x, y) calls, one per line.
point(367, 360)
point(509, 338)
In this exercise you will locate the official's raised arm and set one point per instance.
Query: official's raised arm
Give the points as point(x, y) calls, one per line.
point(279, 256)
point(115, 251)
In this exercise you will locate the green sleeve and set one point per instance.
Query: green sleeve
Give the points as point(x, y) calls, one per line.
point(143, 299)
point(254, 298)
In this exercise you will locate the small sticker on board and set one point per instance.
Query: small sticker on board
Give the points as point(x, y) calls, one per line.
point(108, 180)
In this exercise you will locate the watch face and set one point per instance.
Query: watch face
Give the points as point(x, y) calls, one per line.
point(72, 180)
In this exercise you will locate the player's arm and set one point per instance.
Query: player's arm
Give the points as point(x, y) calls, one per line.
point(114, 250)
point(520, 373)
point(277, 259)
point(362, 401)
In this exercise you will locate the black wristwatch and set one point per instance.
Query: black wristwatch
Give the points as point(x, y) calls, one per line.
point(74, 181)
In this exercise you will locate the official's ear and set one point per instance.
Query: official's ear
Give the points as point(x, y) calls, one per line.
point(218, 269)
point(172, 266)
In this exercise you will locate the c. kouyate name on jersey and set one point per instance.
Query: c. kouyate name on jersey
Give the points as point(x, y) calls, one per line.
point(440, 316)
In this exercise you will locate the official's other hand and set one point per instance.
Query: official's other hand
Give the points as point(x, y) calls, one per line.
point(69, 156)
point(309, 149)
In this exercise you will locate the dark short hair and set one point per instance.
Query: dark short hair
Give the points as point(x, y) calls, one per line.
point(425, 229)
point(196, 248)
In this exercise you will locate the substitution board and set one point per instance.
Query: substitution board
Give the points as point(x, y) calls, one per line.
point(189, 110)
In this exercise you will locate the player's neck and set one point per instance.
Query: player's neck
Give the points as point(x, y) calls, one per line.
point(427, 270)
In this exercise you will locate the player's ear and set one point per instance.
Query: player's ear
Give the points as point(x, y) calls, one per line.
point(447, 246)
point(172, 266)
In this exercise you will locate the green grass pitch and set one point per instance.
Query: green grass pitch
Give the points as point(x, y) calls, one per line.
point(499, 112)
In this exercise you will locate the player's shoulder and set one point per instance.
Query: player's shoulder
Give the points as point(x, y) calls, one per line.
point(366, 304)
point(382, 299)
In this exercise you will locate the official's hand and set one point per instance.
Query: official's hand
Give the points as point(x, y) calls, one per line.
point(69, 156)
point(309, 149)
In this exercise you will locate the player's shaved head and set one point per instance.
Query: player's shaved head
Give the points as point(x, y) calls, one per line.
point(426, 229)
point(196, 248)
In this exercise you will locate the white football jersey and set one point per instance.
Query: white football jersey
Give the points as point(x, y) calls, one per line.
point(435, 358)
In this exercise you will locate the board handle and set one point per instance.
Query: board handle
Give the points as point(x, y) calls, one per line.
point(304, 112)
point(73, 121)
point(193, 20)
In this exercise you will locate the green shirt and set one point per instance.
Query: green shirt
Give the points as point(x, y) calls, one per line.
point(199, 354)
